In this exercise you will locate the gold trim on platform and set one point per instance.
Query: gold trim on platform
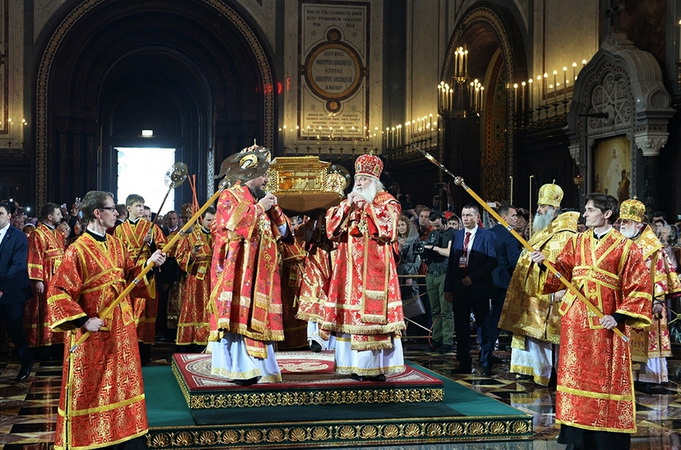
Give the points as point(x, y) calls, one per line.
point(306, 434)
point(349, 396)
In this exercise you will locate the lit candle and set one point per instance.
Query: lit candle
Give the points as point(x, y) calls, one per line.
point(515, 97)
point(545, 88)
point(555, 85)
point(524, 96)
point(574, 68)
point(9, 126)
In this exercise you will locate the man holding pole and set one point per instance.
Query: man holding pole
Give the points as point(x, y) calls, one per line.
point(531, 316)
point(595, 395)
point(102, 396)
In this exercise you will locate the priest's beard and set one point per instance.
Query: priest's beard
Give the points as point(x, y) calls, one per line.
point(542, 221)
point(257, 192)
point(629, 232)
point(369, 192)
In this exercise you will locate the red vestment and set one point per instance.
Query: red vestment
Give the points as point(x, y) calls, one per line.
point(654, 342)
point(192, 324)
point(104, 403)
point(245, 270)
point(45, 253)
point(364, 295)
point(314, 286)
point(293, 256)
point(595, 387)
point(133, 233)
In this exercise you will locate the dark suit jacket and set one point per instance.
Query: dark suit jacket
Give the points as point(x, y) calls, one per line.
point(508, 252)
point(481, 262)
point(14, 282)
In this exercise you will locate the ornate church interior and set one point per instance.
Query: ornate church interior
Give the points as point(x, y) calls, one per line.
point(508, 94)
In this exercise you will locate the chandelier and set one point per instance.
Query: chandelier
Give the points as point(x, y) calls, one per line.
point(462, 97)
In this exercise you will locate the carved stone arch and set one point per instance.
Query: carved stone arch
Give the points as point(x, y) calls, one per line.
point(78, 13)
point(486, 33)
point(619, 92)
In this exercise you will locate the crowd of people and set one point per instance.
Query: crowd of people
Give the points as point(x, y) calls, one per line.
point(245, 278)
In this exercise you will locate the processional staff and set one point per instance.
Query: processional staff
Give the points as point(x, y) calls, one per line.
point(459, 182)
point(223, 185)
point(175, 176)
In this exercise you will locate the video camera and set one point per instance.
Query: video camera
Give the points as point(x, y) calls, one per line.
point(419, 247)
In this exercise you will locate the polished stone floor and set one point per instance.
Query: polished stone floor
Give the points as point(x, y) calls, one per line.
point(28, 409)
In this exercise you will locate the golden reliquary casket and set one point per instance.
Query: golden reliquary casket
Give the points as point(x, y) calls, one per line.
point(304, 183)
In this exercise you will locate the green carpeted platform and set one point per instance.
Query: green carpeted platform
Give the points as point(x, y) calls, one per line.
point(464, 415)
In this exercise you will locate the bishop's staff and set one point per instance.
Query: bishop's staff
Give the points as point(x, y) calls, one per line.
point(459, 181)
point(223, 185)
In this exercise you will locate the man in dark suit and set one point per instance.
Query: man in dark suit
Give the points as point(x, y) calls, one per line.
point(508, 252)
point(469, 286)
point(15, 287)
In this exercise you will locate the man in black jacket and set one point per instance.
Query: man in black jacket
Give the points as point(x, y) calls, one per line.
point(469, 286)
point(15, 287)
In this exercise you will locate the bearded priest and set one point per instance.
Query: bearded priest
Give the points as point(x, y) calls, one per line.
point(364, 307)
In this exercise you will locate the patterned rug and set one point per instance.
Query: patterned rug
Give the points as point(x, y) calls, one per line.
point(307, 379)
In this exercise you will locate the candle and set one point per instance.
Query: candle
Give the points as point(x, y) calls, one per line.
point(515, 97)
point(545, 88)
point(523, 96)
point(530, 89)
point(9, 126)
point(565, 81)
point(555, 85)
point(511, 182)
point(583, 64)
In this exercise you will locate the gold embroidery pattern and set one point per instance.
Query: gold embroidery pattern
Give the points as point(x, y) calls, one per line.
point(395, 431)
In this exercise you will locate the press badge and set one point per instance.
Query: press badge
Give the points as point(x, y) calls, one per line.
point(463, 261)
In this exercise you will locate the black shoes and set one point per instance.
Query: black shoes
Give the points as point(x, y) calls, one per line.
point(486, 371)
point(25, 370)
point(376, 378)
point(315, 347)
point(246, 382)
point(445, 349)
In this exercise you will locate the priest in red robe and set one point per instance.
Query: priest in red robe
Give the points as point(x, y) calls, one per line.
point(193, 256)
point(245, 302)
point(595, 402)
point(102, 394)
point(45, 253)
point(364, 306)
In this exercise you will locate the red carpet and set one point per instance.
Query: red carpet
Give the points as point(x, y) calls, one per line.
point(308, 378)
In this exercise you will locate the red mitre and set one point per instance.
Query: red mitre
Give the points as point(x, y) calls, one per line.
point(369, 166)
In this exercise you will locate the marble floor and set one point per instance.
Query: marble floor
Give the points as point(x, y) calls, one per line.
point(28, 409)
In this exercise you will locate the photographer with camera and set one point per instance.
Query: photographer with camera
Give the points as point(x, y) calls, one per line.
point(435, 251)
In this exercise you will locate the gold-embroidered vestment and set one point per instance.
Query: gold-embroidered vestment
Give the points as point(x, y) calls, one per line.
point(595, 387)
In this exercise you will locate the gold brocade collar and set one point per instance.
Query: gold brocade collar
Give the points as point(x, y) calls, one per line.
point(648, 242)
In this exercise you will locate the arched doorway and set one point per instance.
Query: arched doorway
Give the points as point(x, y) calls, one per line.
point(480, 145)
point(194, 71)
